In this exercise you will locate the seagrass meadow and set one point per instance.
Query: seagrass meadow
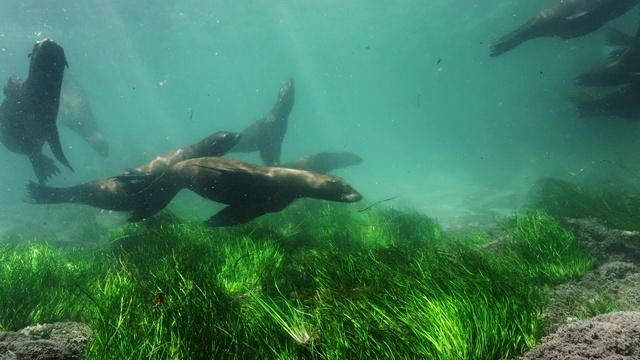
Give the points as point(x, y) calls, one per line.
point(317, 281)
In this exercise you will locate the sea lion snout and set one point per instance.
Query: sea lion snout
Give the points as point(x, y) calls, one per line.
point(352, 196)
point(47, 52)
point(337, 189)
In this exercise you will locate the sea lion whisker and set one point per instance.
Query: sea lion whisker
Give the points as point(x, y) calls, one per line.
point(376, 203)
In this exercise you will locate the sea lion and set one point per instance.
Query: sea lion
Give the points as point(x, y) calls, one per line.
point(621, 103)
point(565, 19)
point(251, 190)
point(618, 38)
point(142, 190)
point(266, 134)
point(324, 162)
point(29, 110)
point(621, 70)
point(75, 113)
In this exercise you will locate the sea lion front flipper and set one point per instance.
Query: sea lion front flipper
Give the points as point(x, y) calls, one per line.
point(235, 215)
point(56, 147)
point(43, 166)
point(270, 155)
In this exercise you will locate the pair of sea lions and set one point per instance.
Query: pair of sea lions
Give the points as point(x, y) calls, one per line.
point(565, 19)
point(141, 190)
point(30, 108)
point(249, 190)
point(266, 135)
point(623, 69)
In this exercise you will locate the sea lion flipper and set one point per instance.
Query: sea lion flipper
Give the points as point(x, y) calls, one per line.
point(43, 166)
point(235, 215)
point(270, 155)
point(56, 147)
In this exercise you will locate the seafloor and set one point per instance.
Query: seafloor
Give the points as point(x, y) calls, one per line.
point(558, 279)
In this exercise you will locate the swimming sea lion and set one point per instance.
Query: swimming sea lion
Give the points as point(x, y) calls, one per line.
point(618, 38)
point(325, 162)
point(620, 70)
point(251, 190)
point(29, 110)
point(216, 144)
point(621, 103)
point(266, 134)
point(565, 19)
point(75, 113)
point(142, 190)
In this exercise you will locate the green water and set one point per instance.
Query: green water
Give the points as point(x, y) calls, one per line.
point(409, 86)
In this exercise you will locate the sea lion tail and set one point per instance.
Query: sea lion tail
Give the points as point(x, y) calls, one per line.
point(43, 194)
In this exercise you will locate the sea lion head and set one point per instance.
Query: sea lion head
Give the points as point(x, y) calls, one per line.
point(335, 188)
point(286, 97)
point(47, 60)
point(218, 144)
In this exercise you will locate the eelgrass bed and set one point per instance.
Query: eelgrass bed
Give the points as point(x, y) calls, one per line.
point(318, 281)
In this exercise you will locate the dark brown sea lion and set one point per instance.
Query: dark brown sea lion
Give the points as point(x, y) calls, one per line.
point(251, 190)
point(29, 110)
point(75, 113)
point(565, 19)
point(266, 134)
point(142, 190)
point(621, 70)
point(623, 102)
point(324, 162)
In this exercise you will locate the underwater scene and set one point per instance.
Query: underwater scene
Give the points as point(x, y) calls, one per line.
point(320, 180)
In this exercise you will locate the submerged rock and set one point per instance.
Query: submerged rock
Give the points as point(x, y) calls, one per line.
point(610, 336)
point(57, 341)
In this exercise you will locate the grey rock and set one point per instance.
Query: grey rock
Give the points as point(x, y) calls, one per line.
point(57, 341)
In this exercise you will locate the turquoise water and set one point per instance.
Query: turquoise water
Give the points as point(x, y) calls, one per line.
point(409, 86)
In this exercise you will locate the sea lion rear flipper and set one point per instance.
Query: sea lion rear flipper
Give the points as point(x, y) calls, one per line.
point(235, 215)
point(43, 166)
point(56, 148)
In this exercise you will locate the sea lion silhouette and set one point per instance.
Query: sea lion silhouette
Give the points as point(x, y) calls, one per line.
point(75, 113)
point(565, 19)
point(623, 69)
point(29, 110)
point(622, 103)
point(266, 134)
